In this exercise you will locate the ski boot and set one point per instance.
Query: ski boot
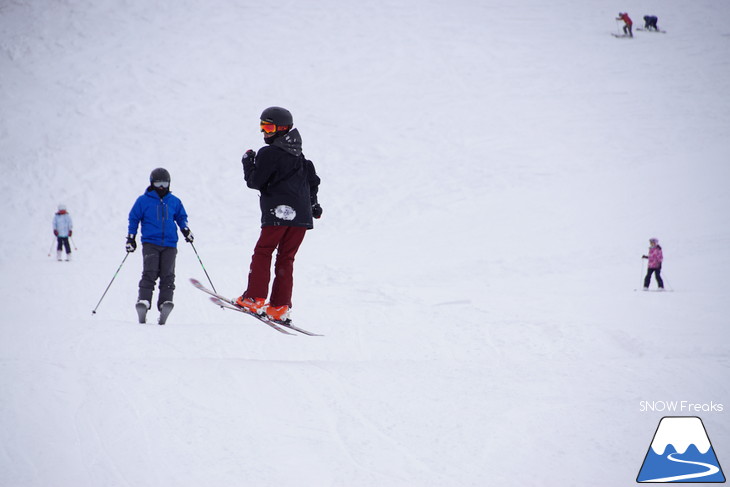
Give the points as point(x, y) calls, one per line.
point(279, 314)
point(142, 306)
point(256, 306)
point(165, 309)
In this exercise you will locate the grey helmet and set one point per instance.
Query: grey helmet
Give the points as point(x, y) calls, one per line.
point(159, 174)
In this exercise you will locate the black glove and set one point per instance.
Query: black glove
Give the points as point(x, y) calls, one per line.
point(316, 211)
point(187, 234)
point(644, 256)
point(131, 243)
point(248, 157)
point(248, 164)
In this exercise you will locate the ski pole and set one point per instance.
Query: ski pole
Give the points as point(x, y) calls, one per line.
point(201, 265)
point(74, 243)
point(664, 279)
point(93, 312)
point(642, 272)
point(53, 242)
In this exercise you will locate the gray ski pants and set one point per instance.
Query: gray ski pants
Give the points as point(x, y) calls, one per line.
point(159, 262)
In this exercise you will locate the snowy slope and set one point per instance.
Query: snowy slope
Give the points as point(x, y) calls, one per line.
point(492, 172)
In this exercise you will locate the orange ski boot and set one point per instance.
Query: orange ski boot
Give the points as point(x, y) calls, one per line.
point(254, 305)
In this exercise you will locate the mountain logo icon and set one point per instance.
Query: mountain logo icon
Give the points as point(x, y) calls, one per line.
point(680, 452)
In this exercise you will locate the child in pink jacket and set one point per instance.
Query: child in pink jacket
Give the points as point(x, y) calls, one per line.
point(655, 264)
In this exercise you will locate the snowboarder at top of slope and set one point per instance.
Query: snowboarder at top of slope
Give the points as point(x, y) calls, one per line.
point(63, 229)
point(656, 257)
point(157, 210)
point(627, 23)
point(288, 184)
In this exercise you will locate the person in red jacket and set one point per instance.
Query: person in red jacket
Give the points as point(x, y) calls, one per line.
point(627, 23)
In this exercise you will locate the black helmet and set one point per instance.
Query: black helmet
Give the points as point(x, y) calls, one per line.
point(277, 115)
point(159, 174)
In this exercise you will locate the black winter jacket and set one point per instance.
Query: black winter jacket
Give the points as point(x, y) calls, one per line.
point(287, 181)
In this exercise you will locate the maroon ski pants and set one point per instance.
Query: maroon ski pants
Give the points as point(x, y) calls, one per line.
point(287, 241)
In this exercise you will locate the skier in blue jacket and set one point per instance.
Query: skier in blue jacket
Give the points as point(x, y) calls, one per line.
point(157, 210)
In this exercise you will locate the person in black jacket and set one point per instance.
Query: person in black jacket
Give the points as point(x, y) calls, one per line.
point(650, 22)
point(288, 184)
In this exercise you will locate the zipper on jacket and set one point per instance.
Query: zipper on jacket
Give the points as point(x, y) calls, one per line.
point(162, 214)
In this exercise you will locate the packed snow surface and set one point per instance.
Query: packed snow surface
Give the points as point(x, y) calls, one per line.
point(491, 172)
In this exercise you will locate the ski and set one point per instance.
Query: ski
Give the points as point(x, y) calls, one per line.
point(620, 36)
point(300, 330)
point(284, 324)
point(225, 302)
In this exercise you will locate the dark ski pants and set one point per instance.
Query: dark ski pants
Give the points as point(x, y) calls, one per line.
point(159, 262)
point(286, 240)
point(63, 243)
point(657, 272)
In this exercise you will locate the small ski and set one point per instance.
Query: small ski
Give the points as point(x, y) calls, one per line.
point(300, 330)
point(165, 309)
point(263, 319)
point(225, 302)
point(620, 36)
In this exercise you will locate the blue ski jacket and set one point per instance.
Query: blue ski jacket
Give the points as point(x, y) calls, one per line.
point(63, 224)
point(158, 217)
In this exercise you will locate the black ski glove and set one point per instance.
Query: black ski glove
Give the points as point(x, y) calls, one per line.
point(248, 157)
point(187, 234)
point(249, 164)
point(131, 243)
point(316, 211)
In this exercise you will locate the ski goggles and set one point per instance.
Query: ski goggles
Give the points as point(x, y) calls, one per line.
point(161, 184)
point(268, 127)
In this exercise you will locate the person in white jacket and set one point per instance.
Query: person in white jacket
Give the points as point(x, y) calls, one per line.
point(62, 228)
